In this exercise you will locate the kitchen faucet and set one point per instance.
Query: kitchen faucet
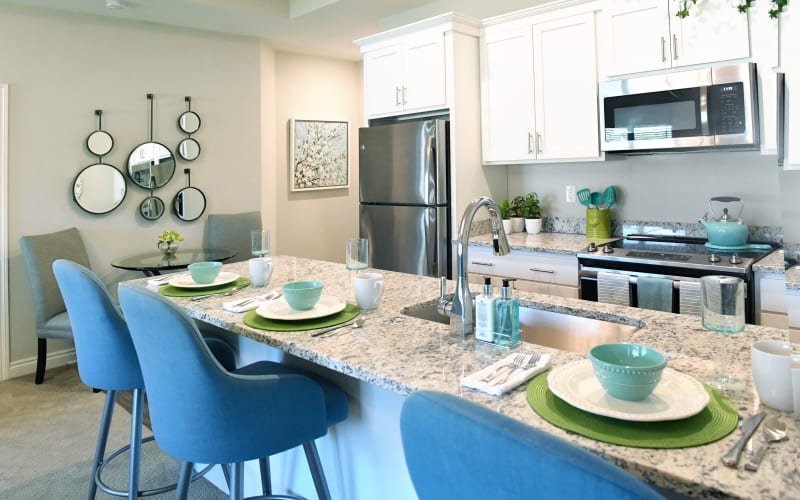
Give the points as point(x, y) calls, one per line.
point(460, 307)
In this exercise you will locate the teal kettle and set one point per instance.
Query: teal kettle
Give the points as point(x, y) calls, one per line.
point(726, 230)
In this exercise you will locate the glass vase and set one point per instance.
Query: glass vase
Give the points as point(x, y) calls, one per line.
point(168, 248)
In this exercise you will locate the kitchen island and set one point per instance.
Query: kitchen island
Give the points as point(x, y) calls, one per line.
point(395, 354)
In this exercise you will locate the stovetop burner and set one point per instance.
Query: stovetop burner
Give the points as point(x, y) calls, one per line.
point(678, 251)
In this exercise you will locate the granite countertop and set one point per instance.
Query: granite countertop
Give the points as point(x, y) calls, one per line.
point(403, 354)
point(793, 278)
point(772, 263)
point(563, 243)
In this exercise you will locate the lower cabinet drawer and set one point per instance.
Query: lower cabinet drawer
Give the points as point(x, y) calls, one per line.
point(775, 320)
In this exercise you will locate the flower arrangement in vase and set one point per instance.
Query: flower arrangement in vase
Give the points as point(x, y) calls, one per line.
point(168, 242)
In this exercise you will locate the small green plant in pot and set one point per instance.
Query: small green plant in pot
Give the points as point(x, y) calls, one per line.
point(517, 218)
point(532, 212)
point(505, 213)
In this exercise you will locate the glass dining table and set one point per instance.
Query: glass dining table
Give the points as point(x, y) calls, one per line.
point(154, 263)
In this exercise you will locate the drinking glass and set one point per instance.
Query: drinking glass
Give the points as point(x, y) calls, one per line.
point(357, 258)
point(259, 242)
point(723, 312)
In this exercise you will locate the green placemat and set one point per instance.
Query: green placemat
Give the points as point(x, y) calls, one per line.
point(252, 319)
point(174, 291)
point(716, 421)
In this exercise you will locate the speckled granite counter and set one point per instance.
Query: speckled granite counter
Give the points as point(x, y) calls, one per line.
point(793, 278)
point(403, 354)
point(564, 243)
point(772, 263)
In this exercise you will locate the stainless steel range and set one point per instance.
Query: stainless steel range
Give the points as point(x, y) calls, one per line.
point(612, 273)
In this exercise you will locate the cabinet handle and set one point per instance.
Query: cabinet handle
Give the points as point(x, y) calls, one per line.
point(530, 143)
point(479, 263)
point(675, 47)
point(663, 49)
point(405, 101)
point(397, 101)
point(540, 270)
point(539, 143)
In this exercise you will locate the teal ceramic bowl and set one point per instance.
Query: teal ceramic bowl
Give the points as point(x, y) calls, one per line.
point(204, 273)
point(627, 371)
point(302, 295)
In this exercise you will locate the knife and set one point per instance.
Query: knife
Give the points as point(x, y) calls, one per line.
point(749, 426)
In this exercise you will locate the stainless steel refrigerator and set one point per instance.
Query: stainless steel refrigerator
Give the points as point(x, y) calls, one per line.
point(405, 192)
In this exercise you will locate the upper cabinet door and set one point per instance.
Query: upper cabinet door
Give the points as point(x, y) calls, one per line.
point(565, 88)
point(383, 77)
point(507, 121)
point(713, 31)
point(423, 72)
point(637, 36)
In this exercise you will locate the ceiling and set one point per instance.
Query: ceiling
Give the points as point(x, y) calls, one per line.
point(320, 27)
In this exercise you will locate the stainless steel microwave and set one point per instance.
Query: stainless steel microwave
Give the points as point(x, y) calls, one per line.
point(715, 107)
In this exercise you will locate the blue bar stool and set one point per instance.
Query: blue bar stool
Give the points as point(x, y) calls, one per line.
point(254, 412)
point(106, 360)
point(458, 449)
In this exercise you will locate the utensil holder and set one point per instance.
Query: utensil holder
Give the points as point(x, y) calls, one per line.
point(598, 223)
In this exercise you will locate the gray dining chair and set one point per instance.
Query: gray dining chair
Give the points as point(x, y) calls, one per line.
point(232, 231)
point(39, 252)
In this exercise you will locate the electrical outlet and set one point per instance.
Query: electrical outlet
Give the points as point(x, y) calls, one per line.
point(571, 196)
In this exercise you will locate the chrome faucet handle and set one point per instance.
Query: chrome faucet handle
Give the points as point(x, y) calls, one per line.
point(444, 306)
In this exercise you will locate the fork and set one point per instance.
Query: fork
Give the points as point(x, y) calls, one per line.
point(519, 358)
point(226, 294)
point(530, 361)
point(249, 300)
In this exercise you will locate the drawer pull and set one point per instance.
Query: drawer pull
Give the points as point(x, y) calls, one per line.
point(540, 270)
point(479, 263)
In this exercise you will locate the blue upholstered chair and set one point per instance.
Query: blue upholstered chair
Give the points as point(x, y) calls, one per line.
point(107, 360)
point(39, 252)
point(256, 411)
point(232, 231)
point(458, 449)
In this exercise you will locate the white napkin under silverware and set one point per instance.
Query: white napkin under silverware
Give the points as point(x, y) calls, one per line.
point(159, 281)
point(478, 380)
point(249, 303)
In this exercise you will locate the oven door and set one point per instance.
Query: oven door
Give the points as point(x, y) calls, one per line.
point(620, 287)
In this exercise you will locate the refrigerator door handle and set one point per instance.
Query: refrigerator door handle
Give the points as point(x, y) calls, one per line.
point(780, 78)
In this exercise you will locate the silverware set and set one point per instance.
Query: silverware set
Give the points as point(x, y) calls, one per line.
point(256, 298)
point(226, 294)
point(504, 372)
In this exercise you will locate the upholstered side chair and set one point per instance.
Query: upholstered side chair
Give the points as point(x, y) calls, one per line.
point(458, 449)
point(232, 231)
point(39, 252)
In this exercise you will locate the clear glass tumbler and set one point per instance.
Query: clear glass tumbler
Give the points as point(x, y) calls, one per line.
point(356, 259)
point(723, 312)
point(259, 242)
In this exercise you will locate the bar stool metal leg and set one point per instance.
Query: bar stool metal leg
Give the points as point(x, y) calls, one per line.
point(237, 481)
point(136, 443)
point(266, 478)
point(102, 439)
point(316, 470)
point(185, 479)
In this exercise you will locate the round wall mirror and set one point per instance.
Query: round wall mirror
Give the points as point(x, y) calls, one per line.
point(151, 165)
point(189, 149)
point(189, 122)
point(99, 188)
point(99, 142)
point(151, 208)
point(189, 204)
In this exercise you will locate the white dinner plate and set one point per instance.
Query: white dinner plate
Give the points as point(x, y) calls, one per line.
point(675, 397)
point(280, 310)
point(187, 282)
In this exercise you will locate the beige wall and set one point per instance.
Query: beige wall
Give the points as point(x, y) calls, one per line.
point(316, 224)
point(59, 70)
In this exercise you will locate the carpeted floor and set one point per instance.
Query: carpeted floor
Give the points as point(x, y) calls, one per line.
point(48, 435)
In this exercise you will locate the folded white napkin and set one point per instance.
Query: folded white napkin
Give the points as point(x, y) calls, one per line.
point(159, 281)
point(246, 304)
point(476, 380)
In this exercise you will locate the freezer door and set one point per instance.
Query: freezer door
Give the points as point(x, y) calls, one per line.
point(404, 163)
point(407, 239)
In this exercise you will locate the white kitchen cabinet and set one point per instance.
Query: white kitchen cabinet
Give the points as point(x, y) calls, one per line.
point(406, 76)
point(793, 309)
point(540, 272)
point(790, 65)
point(770, 299)
point(539, 90)
point(646, 35)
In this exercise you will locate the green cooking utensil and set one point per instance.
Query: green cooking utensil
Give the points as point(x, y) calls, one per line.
point(584, 196)
point(610, 196)
point(596, 198)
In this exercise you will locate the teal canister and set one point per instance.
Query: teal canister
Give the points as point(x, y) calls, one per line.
point(506, 316)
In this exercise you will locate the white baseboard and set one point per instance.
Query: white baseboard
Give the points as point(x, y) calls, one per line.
point(54, 359)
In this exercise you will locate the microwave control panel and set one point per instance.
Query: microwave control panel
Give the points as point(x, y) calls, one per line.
point(726, 113)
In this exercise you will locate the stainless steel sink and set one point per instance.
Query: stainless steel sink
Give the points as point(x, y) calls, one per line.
point(547, 328)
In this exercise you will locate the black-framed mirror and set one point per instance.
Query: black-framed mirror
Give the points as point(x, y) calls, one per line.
point(152, 207)
point(189, 121)
point(189, 149)
point(99, 143)
point(151, 164)
point(99, 188)
point(189, 203)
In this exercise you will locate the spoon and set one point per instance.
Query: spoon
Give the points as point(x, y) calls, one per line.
point(357, 323)
point(774, 430)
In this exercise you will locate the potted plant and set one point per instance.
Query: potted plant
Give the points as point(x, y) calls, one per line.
point(517, 219)
point(505, 213)
point(532, 212)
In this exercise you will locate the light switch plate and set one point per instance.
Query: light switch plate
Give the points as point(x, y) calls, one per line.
point(571, 196)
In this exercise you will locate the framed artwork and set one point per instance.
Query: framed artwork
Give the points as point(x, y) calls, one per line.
point(318, 157)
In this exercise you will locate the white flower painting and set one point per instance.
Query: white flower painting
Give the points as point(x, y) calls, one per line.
point(319, 156)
